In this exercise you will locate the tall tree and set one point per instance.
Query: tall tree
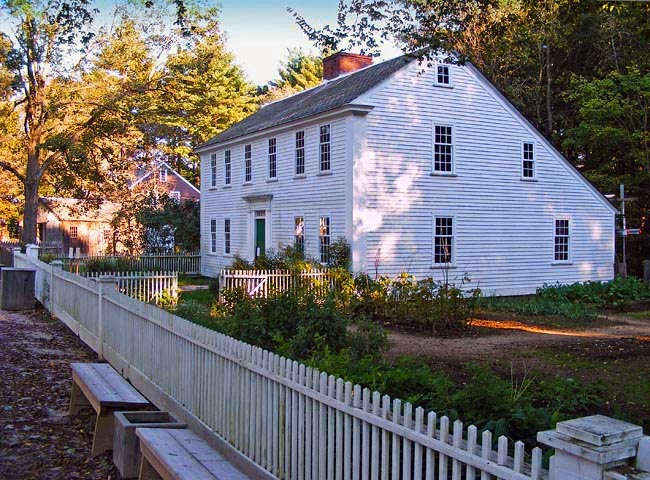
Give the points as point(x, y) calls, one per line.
point(299, 71)
point(69, 115)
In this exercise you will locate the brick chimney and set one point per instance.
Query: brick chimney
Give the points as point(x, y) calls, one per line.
point(343, 62)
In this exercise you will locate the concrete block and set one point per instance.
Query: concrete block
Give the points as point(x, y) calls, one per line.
point(126, 447)
point(17, 289)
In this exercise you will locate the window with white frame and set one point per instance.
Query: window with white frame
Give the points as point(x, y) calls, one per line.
point(175, 195)
point(248, 163)
point(163, 175)
point(443, 145)
point(324, 240)
point(226, 236)
point(213, 236)
point(300, 152)
point(299, 234)
point(443, 241)
point(562, 240)
point(325, 148)
point(74, 232)
point(443, 75)
point(213, 170)
point(528, 160)
point(227, 172)
point(273, 158)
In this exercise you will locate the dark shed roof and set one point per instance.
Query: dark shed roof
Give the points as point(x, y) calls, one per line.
point(328, 96)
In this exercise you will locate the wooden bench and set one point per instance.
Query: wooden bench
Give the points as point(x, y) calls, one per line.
point(173, 454)
point(99, 386)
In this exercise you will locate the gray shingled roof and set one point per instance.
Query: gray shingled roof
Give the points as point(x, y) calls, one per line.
point(328, 96)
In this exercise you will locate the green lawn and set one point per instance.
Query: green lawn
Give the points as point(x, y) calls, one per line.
point(204, 297)
point(193, 280)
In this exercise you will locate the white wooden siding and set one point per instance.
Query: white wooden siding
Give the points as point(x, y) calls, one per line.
point(504, 226)
point(310, 196)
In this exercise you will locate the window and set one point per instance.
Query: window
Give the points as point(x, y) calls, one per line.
point(226, 236)
point(324, 240)
point(163, 175)
point(443, 243)
point(213, 169)
point(175, 195)
point(213, 236)
point(273, 159)
point(528, 160)
point(227, 168)
point(443, 154)
point(300, 152)
point(299, 234)
point(74, 232)
point(443, 76)
point(248, 164)
point(325, 153)
point(562, 239)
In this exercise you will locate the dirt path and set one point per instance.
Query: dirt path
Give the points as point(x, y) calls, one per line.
point(506, 337)
point(37, 438)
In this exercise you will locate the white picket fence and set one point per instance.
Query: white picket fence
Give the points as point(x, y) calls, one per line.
point(292, 421)
point(189, 263)
point(145, 286)
point(258, 283)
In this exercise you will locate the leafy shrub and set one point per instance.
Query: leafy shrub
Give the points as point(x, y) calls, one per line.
point(533, 305)
point(107, 265)
point(616, 293)
point(195, 312)
point(504, 406)
point(405, 301)
point(340, 254)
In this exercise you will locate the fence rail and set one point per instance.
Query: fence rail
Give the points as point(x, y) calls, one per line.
point(184, 264)
point(292, 421)
point(145, 286)
point(258, 283)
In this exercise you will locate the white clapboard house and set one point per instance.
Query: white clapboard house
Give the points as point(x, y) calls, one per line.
point(423, 169)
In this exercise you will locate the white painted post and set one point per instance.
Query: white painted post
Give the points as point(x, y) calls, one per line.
point(32, 250)
point(58, 264)
point(14, 251)
point(586, 447)
point(103, 283)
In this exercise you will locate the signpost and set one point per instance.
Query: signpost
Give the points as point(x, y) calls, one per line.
point(625, 232)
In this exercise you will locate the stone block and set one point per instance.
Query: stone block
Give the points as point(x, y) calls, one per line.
point(17, 289)
point(126, 447)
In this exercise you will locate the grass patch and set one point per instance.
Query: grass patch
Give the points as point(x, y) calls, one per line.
point(559, 310)
point(640, 315)
point(193, 280)
point(202, 297)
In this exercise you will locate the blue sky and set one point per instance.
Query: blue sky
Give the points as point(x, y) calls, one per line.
point(260, 31)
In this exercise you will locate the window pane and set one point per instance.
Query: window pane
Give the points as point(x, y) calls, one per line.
point(248, 167)
point(443, 74)
point(324, 240)
point(561, 247)
point(325, 156)
point(443, 149)
point(227, 169)
point(300, 152)
point(443, 240)
point(272, 158)
point(299, 233)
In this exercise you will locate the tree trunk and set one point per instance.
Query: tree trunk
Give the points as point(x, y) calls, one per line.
point(31, 212)
point(32, 182)
point(549, 109)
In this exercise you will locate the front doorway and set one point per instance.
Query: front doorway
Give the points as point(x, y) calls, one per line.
point(260, 232)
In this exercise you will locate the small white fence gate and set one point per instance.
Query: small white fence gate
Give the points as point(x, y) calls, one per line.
point(145, 286)
point(258, 283)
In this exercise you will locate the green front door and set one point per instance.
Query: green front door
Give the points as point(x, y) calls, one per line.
point(260, 236)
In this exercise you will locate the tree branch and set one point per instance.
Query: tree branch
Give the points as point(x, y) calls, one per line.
point(5, 166)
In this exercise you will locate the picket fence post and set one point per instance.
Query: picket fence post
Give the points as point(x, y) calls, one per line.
point(585, 448)
point(102, 284)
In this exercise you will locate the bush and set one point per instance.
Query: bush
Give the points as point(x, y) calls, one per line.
point(405, 301)
point(616, 293)
point(106, 265)
point(516, 408)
